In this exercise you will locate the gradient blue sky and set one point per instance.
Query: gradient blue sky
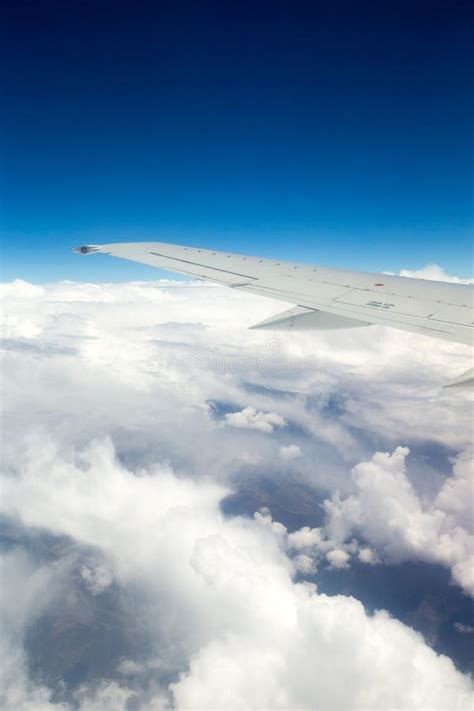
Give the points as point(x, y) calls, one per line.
point(333, 132)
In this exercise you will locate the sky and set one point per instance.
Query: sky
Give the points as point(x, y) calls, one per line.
point(337, 132)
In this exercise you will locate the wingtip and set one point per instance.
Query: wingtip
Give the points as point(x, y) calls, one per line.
point(86, 249)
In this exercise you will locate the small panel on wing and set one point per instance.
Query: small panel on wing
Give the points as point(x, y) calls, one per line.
point(455, 314)
point(390, 303)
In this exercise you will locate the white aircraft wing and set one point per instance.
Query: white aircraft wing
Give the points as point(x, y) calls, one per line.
point(321, 297)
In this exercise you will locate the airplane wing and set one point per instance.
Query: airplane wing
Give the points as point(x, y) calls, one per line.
point(321, 297)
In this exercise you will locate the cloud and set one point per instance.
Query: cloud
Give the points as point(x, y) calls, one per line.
point(338, 558)
point(246, 634)
point(436, 273)
point(290, 451)
point(309, 547)
point(366, 555)
point(109, 696)
point(455, 497)
point(112, 441)
point(387, 383)
point(25, 591)
point(463, 629)
point(305, 538)
point(97, 578)
point(227, 673)
point(386, 512)
point(251, 419)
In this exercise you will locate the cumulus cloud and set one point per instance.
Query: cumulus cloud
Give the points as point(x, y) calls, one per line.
point(366, 555)
point(309, 547)
point(338, 558)
point(250, 419)
point(135, 409)
point(306, 537)
point(386, 512)
point(290, 451)
point(228, 672)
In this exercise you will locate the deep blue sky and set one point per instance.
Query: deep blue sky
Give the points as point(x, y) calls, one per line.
point(334, 132)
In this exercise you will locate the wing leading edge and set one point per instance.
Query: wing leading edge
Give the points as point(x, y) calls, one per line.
point(324, 297)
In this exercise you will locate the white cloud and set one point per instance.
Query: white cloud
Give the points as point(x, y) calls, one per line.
point(367, 555)
point(456, 496)
point(250, 419)
point(228, 672)
point(304, 564)
point(338, 558)
point(386, 512)
point(290, 451)
point(436, 273)
point(20, 289)
point(306, 537)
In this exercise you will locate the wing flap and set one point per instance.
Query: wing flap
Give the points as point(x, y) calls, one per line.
point(465, 380)
point(461, 315)
point(301, 318)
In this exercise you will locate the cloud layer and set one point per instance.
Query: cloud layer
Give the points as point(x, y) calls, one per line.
point(135, 409)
